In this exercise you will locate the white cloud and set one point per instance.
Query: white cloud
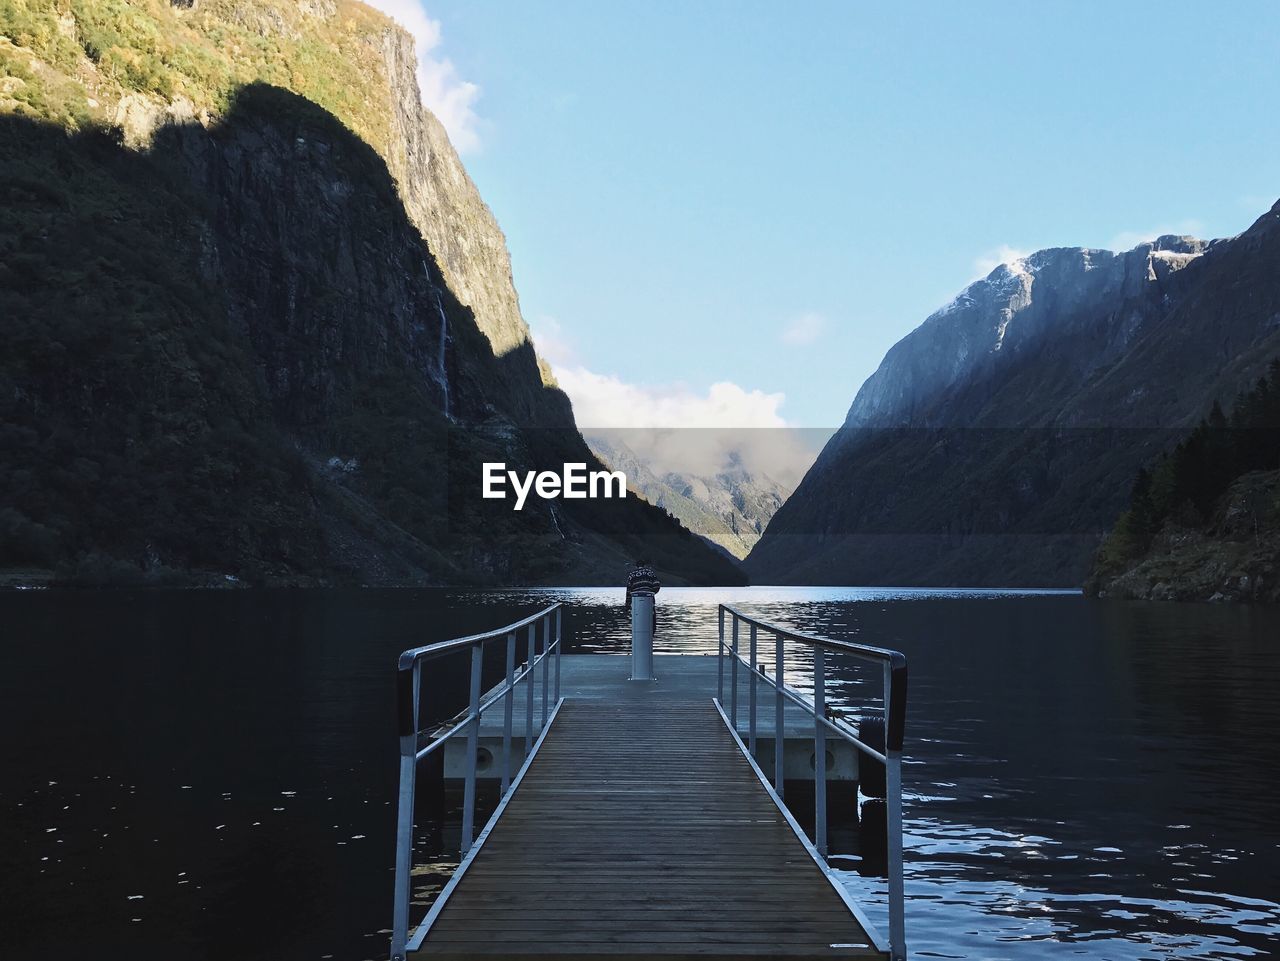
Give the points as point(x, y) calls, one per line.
point(674, 427)
point(605, 400)
point(552, 343)
point(803, 329)
point(444, 93)
point(1128, 239)
point(992, 259)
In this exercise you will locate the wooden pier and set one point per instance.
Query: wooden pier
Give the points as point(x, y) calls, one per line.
point(639, 825)
point(683, 678)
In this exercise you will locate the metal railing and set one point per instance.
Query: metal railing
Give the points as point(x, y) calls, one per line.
point(894, 673)
point(409, 697)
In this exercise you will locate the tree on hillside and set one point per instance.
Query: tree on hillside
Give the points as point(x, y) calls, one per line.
point(1185, 483)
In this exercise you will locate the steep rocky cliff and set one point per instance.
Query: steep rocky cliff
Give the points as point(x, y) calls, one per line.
point(458, 226)
point(261, 325)
point(1020, 308)
point(997, 442)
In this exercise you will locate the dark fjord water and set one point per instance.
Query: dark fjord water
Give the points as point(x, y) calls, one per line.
point(212, 774)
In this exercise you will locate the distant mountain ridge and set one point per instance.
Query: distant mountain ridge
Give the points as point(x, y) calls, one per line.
point(996, 443)
point(729, 507)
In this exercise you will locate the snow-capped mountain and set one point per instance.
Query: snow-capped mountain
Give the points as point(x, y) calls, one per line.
point(998, 441)
point(1009, 312)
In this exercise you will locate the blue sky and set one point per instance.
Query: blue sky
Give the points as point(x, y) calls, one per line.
point(765, 197)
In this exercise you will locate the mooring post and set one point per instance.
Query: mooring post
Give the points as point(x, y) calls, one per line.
point(642, 637)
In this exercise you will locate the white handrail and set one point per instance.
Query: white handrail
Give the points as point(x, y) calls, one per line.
point(409, 687)
point(894, 676)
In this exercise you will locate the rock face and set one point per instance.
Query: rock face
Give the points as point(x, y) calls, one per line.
point(995, 323)
point(730, 507)
point(998, 441)
point(235, 349)
point(445, 205)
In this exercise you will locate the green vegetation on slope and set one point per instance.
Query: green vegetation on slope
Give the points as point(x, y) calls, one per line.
point(1204, 522)
point(73, 61)
point(1185, 484)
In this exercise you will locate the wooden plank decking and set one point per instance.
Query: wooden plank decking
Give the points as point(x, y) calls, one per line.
point(640, 830)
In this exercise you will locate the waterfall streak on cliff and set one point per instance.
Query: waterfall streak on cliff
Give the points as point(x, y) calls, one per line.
point(444, 371)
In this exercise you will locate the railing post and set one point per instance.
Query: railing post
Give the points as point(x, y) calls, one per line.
point(733, 678)
point(528, 704)
point(559, 651)
point(404, 813)
point(720, 660)
point(893, 816)
point(819, 752)
point(508, 709)
point(546, 667)
point(779, 715)
point(473, 746)
point(751, 722)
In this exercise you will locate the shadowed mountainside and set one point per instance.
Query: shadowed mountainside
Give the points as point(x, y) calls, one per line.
point(1204, 519)
point(233, 353)
point(996, 444)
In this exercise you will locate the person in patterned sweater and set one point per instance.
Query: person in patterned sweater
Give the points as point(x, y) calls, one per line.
point(642, 579)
